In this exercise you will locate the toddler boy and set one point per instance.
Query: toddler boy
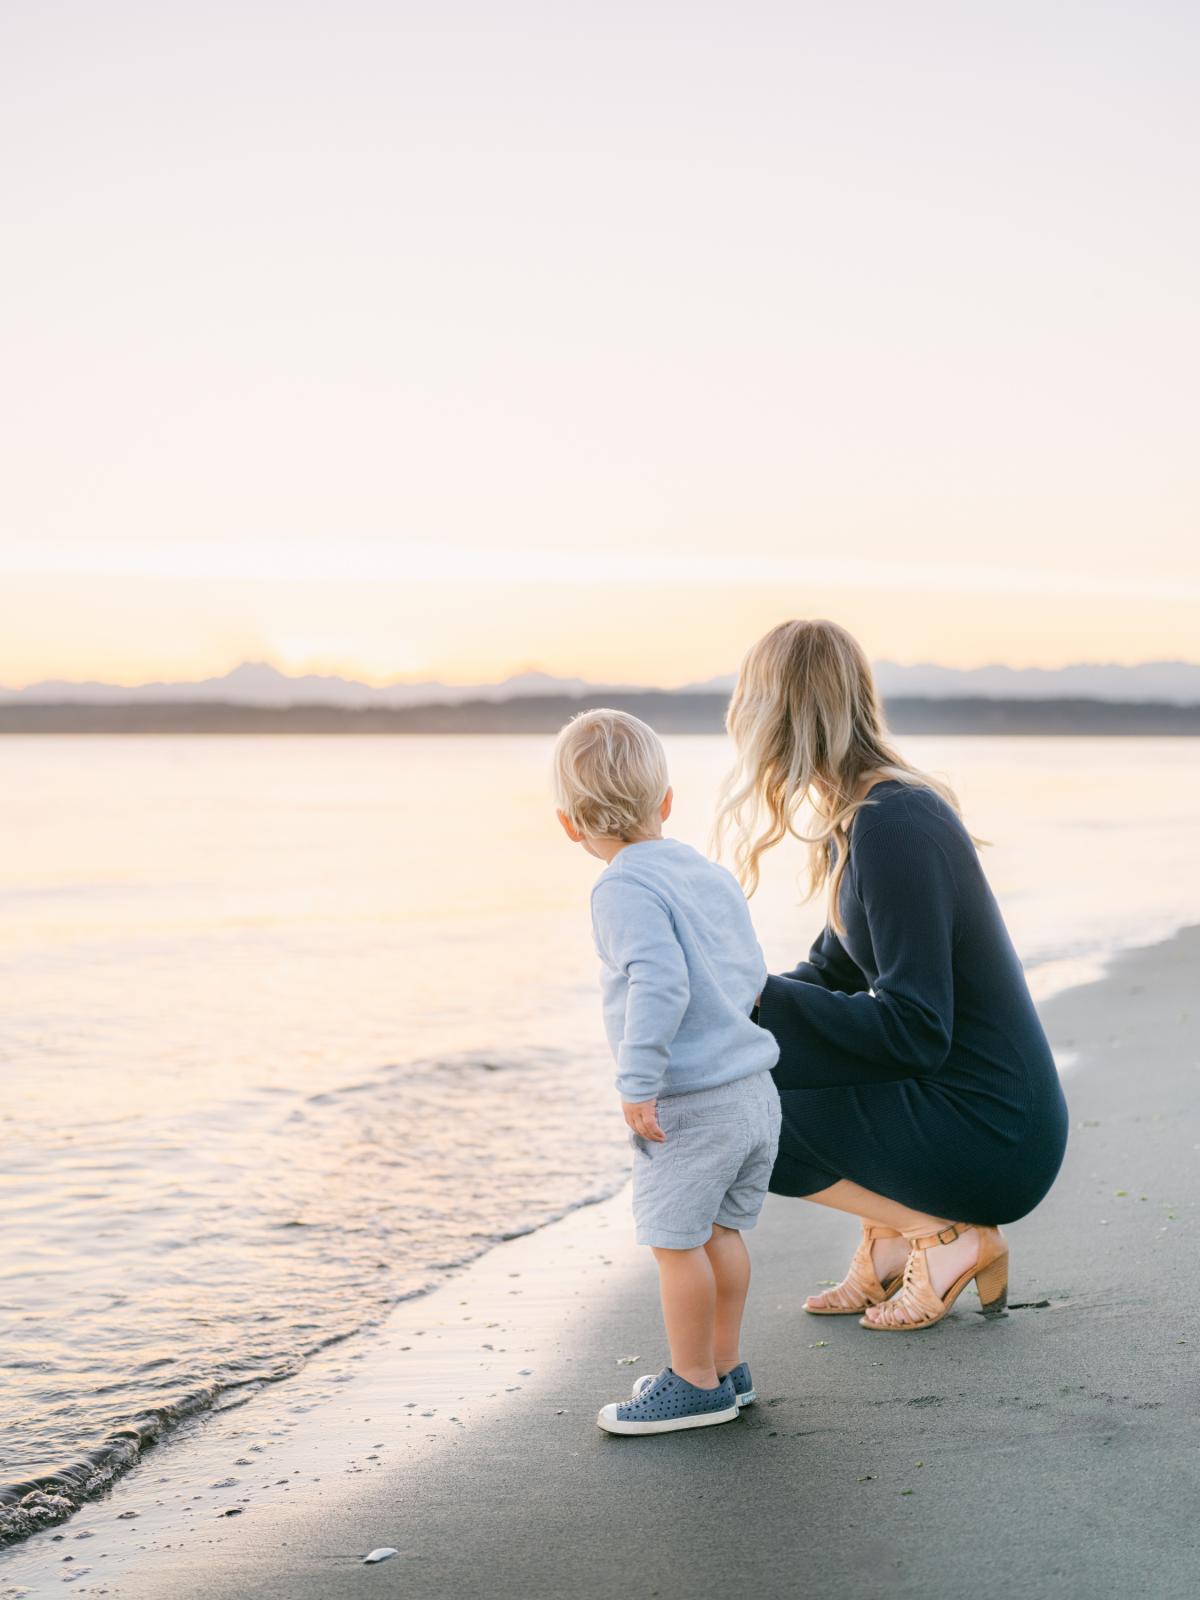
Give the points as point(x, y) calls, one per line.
point(681, 969)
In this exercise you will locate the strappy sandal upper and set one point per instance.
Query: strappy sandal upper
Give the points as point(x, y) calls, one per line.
point(861, 1286)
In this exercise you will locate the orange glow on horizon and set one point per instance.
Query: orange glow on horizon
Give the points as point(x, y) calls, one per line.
point(127, 632)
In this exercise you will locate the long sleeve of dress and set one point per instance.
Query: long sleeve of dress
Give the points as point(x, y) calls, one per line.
point(829, 965)
point(902, 1026)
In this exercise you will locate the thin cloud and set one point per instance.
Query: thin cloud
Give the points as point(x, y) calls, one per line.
point(425, 563)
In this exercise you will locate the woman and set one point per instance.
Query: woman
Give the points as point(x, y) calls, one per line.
point(919, 1092)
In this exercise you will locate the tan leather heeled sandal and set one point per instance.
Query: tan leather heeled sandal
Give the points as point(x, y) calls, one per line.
point(861, 1286)
point(917, 1298)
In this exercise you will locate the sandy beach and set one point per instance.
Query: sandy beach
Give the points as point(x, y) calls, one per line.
point(756, 438)
point(1052, 1451)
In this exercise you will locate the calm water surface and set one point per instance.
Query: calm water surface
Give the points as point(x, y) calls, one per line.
point(289, 1027)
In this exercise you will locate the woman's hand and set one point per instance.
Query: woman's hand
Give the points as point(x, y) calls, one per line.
point(642, 1117)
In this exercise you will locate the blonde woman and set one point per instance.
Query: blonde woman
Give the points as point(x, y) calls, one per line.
point(919, 1092)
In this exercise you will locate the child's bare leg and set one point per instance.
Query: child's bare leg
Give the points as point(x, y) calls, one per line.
point(730, 1262)
point(689, 1295)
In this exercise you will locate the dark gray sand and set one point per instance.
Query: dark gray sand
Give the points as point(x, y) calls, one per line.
point(1053, 1452)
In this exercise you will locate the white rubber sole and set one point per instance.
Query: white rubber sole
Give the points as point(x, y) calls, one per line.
point(611, 1423)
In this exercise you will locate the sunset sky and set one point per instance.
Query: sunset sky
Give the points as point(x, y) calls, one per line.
point(446, 340)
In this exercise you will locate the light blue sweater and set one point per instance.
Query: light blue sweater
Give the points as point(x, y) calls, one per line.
point(681, 972)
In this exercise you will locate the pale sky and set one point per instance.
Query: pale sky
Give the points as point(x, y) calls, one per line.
point(451, 339)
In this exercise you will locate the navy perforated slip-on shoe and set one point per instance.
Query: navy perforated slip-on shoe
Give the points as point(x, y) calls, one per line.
point(743, 1384)
point(669, 1403)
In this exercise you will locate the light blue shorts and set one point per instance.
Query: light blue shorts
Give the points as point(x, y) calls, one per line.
point(714, 1167)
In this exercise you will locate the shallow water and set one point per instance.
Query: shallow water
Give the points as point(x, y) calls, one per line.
point(290, 1026)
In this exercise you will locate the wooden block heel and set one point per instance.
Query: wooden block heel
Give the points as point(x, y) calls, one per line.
point(992, 1284)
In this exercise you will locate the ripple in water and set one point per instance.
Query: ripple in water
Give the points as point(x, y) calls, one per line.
point(226, 1254)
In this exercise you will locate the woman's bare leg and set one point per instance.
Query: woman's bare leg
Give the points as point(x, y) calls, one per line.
point(852, 1197)
point(946, 1261)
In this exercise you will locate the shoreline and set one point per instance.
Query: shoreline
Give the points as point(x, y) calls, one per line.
point(455, 1358)
point(838, 1413)
point(118, 1459)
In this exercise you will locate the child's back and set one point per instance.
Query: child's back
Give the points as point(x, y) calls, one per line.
point(681, 971)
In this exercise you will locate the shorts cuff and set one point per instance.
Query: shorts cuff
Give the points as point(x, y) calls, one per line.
point(739, 1224)
point(666, 1239)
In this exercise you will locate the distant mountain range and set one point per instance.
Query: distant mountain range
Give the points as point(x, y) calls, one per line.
point(257, 683)
point(1164, 682)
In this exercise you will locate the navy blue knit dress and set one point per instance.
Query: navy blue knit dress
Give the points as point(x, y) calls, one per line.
point(911, 1059)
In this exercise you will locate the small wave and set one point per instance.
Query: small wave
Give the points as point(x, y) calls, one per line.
point(37, 1503)
point(459, 1063)
point(41, 1502)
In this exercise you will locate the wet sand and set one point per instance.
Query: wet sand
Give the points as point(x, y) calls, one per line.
point(1051, 1452)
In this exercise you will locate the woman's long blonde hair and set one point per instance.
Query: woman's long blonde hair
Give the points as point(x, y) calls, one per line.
point(808, 725)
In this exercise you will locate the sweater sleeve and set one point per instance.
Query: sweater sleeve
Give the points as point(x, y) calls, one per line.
point(830, 965)
point(635, 934)
point(902, 1027)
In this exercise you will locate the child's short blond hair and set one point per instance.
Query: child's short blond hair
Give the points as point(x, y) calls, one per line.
point(610, 774)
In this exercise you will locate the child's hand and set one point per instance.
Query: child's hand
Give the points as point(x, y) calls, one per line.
point(642, 1117)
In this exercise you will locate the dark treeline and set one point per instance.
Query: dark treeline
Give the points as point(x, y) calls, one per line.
point(669, 713)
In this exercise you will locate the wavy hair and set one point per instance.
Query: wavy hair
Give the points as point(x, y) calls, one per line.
point(808, 725)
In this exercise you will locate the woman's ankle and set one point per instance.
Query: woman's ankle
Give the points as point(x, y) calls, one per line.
point(888, 1255)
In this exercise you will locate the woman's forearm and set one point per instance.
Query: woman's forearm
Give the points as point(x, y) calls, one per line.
point(832, 1038)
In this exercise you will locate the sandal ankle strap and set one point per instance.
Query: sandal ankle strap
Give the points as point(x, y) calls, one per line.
point(946, 1235)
